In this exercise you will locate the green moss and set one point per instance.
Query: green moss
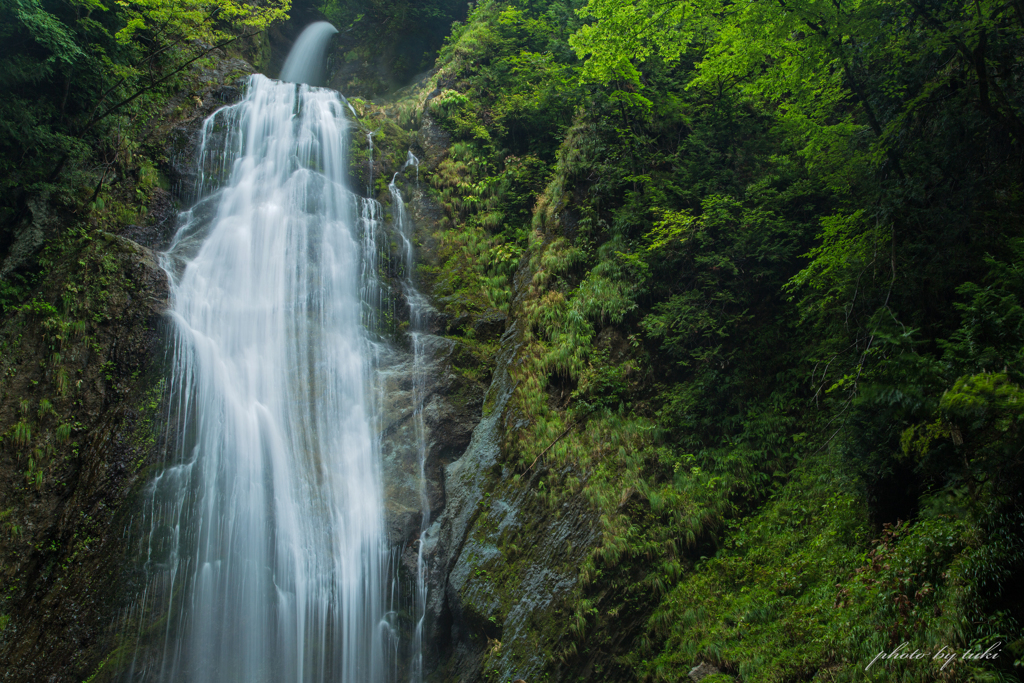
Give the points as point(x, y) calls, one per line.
point(489, 400)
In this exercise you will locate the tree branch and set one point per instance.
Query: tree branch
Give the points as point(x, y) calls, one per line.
point(976, 58)
point(143, 91)
point(97, 118)
point(869, 112)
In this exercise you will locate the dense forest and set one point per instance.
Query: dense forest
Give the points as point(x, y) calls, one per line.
point(766, 263)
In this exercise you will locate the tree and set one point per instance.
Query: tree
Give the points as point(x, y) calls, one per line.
point(68, 67)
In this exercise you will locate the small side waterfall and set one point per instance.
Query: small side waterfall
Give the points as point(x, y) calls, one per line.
point(373, 295)
point(369, 173)
point(411, 160)
point(419, 310)
point(266, 545)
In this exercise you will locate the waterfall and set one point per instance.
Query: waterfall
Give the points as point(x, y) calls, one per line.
point(373, 297)
point(266, 547)
point(419, 310)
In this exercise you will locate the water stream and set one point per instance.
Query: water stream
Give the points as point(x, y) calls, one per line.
point(267, 554)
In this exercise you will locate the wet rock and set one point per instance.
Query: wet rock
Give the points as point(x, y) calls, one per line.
point(40, 224)
point(156, 232)
point(464, 487)
point(490, 324)
point(434, 142)
point(451, 408)
point(227, 94)
point(459, 323)
point(702, 671)
point(220, 85)
point(515, 571)
point(500, 565)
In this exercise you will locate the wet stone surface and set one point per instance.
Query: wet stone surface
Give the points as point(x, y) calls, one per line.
point(451, 409)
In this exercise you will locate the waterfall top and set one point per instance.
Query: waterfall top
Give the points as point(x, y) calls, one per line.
point(305, 63)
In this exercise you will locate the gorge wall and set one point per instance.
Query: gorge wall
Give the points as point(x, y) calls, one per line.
point(84, 405)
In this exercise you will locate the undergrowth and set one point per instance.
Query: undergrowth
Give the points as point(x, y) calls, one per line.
point(780, 493)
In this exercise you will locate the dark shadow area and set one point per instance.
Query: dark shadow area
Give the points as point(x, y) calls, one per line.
point(382, 46)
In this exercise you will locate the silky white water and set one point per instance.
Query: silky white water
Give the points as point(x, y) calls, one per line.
point(267, 546)
point(305, 61)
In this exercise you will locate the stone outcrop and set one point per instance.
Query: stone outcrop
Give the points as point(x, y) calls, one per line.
point(502, 565)
point(451, 409)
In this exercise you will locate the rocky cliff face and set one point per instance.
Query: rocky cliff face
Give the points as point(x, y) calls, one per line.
point(502, 562)
point(451, 409)
point(79, 401)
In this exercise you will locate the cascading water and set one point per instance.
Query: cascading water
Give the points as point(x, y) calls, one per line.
point(266, 547)
point(369, 173)
point(419, 310)
point(411, 160)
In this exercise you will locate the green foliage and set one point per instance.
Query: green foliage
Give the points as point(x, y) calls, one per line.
point(503, 101)
point(514, 72)
point(770, 299)
point(793, 592)
point(625, 34)
point(82, 80)
point(191, 19)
